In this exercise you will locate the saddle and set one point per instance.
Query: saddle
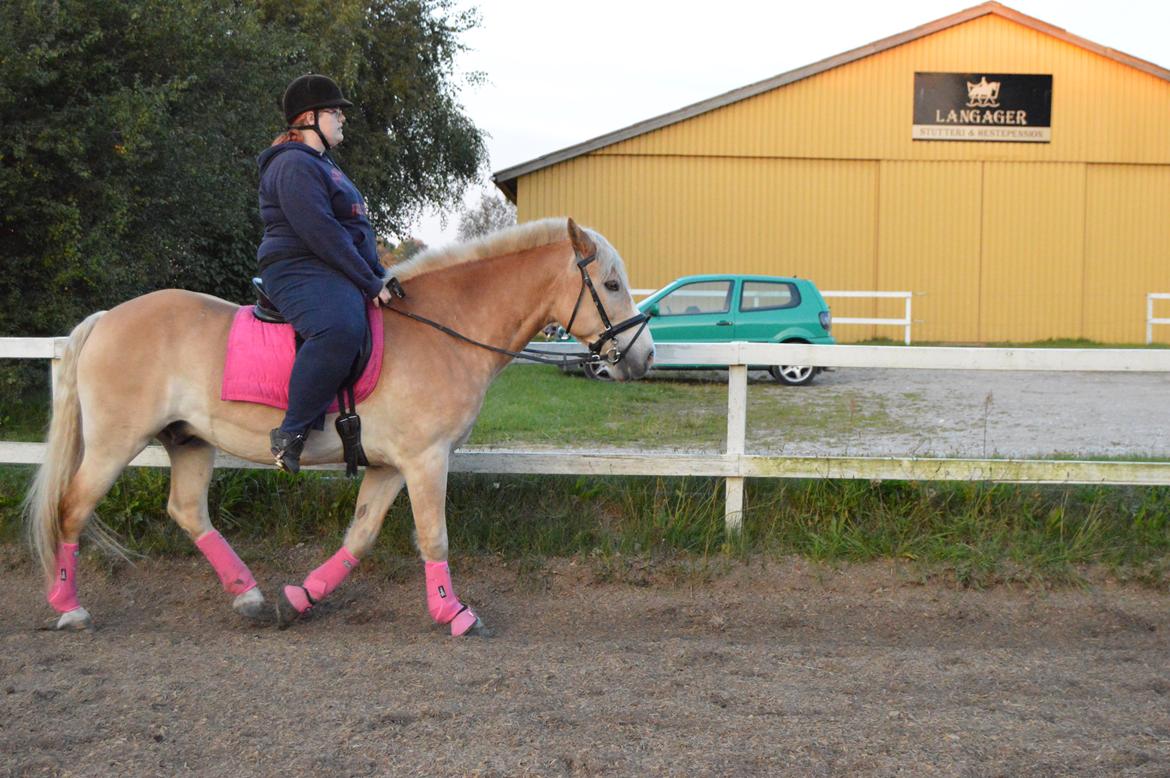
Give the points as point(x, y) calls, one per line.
point(348, 423)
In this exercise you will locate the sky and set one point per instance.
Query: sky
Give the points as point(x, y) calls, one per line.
point(557, 73)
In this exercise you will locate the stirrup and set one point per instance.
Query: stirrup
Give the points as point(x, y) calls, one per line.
point(286, 450)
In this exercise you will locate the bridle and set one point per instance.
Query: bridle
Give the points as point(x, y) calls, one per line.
point(611, 331)
point(609, 335)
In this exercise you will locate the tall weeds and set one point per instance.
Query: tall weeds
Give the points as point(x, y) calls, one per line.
point(976, 534)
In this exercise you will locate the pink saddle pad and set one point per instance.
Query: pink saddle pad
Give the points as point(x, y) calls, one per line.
point(260, 359)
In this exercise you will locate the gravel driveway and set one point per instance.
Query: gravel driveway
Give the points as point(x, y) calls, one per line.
point(971, 413)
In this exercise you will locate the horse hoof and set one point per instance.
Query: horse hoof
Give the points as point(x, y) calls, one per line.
point(76, 619)
point(467, 624)
point(252, 606)
point(291, 606)
point(478, 630)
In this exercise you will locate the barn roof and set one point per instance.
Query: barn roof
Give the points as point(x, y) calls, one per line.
point(506, 179)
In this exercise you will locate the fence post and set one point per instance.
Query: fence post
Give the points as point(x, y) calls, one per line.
point(55, 366)
point(736, 436)
point(1149, 319)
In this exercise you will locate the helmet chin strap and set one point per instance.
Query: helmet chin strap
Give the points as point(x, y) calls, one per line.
point(315, 127)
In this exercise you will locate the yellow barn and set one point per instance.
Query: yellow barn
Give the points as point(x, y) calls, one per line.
point(1014, 175)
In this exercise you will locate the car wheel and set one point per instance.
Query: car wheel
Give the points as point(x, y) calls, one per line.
point(793, 375)
point(597, 371)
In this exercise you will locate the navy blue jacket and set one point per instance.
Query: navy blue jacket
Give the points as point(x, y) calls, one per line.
point(311, 210)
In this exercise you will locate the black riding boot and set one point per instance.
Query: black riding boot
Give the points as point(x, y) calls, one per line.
point(286, 450)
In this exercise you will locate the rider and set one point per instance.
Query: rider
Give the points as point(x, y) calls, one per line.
point(318, 257)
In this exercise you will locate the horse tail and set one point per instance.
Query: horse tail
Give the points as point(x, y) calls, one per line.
point(64, 449)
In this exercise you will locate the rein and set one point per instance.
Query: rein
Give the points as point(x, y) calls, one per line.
point(594, 356)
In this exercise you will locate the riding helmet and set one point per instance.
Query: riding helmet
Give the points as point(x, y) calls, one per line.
point(309, 92)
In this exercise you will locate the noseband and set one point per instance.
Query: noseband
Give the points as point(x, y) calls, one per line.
point(611, 331)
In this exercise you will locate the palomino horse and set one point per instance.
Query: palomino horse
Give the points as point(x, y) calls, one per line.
point(152, 368)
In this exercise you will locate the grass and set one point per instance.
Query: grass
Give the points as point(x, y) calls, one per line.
point(1048, 343)
point(973, 534)
point(543, 406)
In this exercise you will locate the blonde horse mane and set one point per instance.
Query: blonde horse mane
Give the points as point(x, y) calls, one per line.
point(509, 240)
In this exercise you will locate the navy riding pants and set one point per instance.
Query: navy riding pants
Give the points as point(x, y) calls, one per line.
point(329, 313)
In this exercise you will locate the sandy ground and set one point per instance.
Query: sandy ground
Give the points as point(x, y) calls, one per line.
point(764, 668)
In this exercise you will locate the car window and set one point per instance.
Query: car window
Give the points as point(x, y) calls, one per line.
point(768, 295)
point(699, 297)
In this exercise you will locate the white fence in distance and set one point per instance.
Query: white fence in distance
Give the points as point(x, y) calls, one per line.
point(734, 464)
point(1150, 320)
point(904, 322)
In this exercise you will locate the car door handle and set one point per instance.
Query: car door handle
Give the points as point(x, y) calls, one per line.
point(723, 323)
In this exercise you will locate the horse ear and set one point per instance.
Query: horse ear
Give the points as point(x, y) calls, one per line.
point(582, 243)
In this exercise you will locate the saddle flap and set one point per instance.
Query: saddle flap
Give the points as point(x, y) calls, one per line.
point(264, 309)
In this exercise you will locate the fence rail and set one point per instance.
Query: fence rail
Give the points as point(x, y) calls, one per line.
point(904, 322)
point(734, 463)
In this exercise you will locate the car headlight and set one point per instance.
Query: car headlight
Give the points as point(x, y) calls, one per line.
point(827, 321)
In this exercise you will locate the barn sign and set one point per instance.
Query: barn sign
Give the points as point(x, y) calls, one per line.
point(983, 107)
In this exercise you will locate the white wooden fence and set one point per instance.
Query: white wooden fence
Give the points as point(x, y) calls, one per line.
point(1150, 320)
point(734, 464)
point(904, 322)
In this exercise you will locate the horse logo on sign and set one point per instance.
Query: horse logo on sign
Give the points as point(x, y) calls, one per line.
point(983, 94)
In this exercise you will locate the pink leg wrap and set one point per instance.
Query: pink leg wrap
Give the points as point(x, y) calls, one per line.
point(321, 581)
point(444, 606)
point(233, 573)
point(63, 594)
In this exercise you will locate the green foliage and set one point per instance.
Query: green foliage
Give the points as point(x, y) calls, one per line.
point(132, 126)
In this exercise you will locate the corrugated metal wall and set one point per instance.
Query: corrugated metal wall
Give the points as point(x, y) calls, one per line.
point(930, 242)
point(1127, 250)
point(675, 216)
point(820, 178)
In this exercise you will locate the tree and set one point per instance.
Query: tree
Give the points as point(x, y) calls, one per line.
point(131, 127)
point(492, 213)
point(392, 255)
point(408, 144)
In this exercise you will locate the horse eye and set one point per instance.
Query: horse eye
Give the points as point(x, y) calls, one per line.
point(612, 286)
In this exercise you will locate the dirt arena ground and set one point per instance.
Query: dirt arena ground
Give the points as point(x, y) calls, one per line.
point(764, 668)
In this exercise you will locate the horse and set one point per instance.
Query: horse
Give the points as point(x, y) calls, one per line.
point(151, 368)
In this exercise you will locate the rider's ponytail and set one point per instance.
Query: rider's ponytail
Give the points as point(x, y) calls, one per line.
point(294, 136)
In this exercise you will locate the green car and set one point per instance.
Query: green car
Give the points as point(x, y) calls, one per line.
point(723, 308)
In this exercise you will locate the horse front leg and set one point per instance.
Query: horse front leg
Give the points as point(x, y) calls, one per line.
point(426, 480)
point(380, 485)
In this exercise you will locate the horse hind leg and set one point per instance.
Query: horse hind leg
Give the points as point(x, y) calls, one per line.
point(100, 467)
point(192, 463)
